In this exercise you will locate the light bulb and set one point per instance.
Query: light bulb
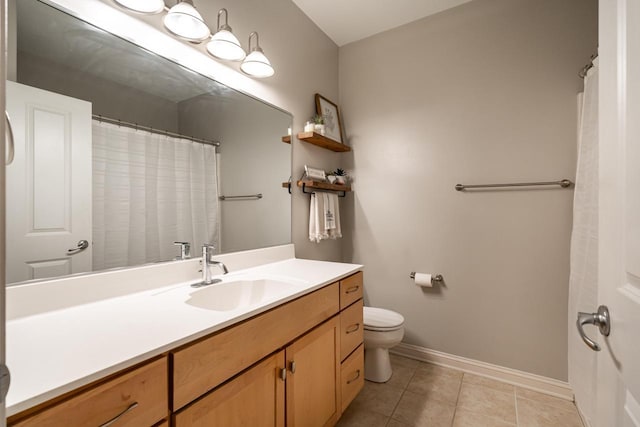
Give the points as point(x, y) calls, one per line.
point(143, 6)
point(183, 20)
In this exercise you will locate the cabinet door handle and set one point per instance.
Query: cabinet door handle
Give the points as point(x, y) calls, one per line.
point(352, 289)
point(354, 378)
point(292, 367)
point(117, 417)
point(351, 329)
point(283, 374)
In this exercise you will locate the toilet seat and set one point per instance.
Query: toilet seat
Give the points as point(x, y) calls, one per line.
point(380, 319)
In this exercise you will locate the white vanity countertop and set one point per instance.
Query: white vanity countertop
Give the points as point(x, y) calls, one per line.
point(53, 352)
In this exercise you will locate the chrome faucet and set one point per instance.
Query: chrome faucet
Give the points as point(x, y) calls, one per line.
point(207, 262)
point(185, 250)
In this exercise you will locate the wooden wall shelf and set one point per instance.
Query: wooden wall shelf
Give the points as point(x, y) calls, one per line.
point(323, 141)
point(320, 185)
point(287, 139)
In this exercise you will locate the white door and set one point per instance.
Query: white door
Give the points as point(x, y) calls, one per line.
point(48, 209)
point(3, 74)
point(618, 389)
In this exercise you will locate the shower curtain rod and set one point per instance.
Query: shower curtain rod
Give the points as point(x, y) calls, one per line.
point(583, 71)
point(136, 126)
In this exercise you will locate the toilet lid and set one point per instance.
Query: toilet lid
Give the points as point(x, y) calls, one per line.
point(381, 319)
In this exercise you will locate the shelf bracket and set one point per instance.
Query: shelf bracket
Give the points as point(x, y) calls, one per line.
point(343, 193)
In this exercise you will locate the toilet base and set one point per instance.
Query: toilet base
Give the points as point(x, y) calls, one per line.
point(377, 365)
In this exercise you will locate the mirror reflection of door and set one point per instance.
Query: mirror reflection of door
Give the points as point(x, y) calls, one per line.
point(48, 184)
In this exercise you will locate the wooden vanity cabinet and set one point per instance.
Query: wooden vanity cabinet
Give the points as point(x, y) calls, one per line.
point(298, 364)
point(305, 375)
point(132, 399)
point(202, 366)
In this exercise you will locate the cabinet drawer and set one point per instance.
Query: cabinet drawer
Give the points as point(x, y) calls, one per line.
point(204, 365)
point(145, 387)
point(351, 289)
point(351, 329)
point(352, 376)
point(254, 398)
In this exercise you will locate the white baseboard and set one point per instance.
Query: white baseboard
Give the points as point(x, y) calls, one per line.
point(518, 378)
point(584, 419)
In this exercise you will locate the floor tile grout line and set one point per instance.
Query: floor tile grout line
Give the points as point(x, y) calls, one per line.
point(455, 408)
point(515, 398)
point(404, 389)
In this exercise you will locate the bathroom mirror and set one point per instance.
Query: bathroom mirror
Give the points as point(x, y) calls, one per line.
point(116, 155)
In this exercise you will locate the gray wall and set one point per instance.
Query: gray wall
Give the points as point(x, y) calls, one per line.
point(485, 92)
point(253, 159)
point(107, 98)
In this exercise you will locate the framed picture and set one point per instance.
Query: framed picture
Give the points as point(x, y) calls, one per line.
point(332, 122)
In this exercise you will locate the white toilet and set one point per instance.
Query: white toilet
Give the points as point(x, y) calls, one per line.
point(383, 329)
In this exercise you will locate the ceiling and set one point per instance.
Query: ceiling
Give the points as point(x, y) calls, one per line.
point(346, 21)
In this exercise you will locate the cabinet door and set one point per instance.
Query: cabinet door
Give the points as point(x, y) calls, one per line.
point(313, 391)
point(253, 399)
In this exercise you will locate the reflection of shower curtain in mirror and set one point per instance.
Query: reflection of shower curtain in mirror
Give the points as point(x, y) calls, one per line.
point(149, 191)
point(583, 280)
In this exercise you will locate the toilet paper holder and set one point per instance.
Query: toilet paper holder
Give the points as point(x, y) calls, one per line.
point(437, 278)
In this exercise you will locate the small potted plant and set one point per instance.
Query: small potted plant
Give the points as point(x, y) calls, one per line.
point(341, 176)
point(318, 123)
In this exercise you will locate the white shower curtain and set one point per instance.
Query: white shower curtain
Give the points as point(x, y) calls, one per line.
point(149, 191)
point(583, 282)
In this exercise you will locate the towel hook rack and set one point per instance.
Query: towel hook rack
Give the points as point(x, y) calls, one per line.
point(343, 192)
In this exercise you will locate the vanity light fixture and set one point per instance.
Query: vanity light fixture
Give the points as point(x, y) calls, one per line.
point(256, 63)
point(183, 20)
point(223, 44)
point(143, 6)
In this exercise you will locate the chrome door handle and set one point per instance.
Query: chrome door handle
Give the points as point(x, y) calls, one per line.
point(601, 319)
point(9, 157)
point(82, 245)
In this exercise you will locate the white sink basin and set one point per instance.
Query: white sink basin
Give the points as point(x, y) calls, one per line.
point(236, 294)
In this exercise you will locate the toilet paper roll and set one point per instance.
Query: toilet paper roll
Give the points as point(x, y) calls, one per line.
point(423, 279)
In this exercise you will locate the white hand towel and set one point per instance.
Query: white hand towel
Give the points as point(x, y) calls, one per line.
point(329, 211)
point(317, 229)
point(313, 224)
point(333, 216)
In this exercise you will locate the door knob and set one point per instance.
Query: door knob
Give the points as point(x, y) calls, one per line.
point(601, 319)
point(82, 245)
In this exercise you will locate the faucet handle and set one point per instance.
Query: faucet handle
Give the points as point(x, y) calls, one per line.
point(207, 251)
point(185, 250)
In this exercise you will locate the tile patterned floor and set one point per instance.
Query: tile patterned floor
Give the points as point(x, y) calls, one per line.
point(420, 394)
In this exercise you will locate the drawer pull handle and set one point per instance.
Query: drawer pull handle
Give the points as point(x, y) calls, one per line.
point(352, 289)
point(351, 329)
point(112, 421)
point(354, 378)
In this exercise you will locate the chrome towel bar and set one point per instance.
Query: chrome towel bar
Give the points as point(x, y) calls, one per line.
point(248, 196)
point(565, 183)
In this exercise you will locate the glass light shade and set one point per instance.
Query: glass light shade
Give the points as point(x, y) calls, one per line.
point(224, 45)
point(143, 6)
point(257, 65)
point(184, 21)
